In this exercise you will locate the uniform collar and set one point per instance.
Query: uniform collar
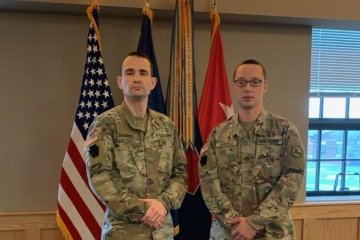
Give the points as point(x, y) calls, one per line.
point(154, 119)
point(259, 125)
point(135, 122)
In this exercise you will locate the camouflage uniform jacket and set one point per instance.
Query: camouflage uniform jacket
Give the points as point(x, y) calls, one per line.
point(129, 158)
point(256, 175)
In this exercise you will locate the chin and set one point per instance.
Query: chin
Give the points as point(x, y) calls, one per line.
point(247, 106)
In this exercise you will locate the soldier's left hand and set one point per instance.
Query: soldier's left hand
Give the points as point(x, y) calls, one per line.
point(242, 229)
point(154, 216)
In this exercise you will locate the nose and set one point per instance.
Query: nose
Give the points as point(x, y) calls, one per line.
point(247, 87)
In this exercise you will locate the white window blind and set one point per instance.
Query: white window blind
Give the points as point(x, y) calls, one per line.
point(335, 61)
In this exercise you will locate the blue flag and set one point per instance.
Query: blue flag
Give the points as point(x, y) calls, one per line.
point(156, 100)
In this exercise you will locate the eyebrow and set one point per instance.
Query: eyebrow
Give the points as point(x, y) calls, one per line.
point(243, 79)
point(142, 71)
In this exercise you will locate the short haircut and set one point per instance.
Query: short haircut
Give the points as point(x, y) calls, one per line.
point(140, 55)
point(251, 61)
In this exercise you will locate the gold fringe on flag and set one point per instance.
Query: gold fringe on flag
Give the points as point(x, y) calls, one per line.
point(62, 227)
point(216, 23)
point(148, 12)
point(94, 5)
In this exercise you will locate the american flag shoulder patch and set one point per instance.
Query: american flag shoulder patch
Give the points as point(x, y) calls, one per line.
point(91, 139)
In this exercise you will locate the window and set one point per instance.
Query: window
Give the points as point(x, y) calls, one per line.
point(333, 157)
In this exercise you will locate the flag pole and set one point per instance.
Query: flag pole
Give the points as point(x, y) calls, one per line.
point(214, 5)
point(94, 5)
point(147, 11)
point(214, 15)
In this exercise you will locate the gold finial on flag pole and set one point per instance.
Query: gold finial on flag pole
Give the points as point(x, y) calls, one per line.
point(147, 11)
point(214, 15)
point(94, 5)
point(214, 9)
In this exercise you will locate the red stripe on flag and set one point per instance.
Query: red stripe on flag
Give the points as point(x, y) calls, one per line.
point(68, 223)
point(80, 166)
point(80, 205)
point(77, 160)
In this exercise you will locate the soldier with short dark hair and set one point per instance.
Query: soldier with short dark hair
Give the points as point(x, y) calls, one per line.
point(135, 160)
point(252, 166)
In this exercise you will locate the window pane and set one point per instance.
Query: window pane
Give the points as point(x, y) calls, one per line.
point(313, 140)
point(310, 176)
point(353, 181)
point(314, 107)
point(328, 171)
point(353, 145)
point(354, 109)
point(332, 144)
point(334, 107)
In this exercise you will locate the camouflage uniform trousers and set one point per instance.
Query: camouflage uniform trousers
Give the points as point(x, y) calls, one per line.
point(139, 231)
point(218, 232)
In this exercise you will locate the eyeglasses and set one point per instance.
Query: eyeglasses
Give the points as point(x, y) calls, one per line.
point(253, 83)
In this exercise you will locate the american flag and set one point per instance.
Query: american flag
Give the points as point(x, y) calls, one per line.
point(79, 213)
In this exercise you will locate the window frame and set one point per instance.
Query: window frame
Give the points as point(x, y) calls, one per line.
point(344, 124)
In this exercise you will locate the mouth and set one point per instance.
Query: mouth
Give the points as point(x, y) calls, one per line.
point(137, 87)
point(247, 98)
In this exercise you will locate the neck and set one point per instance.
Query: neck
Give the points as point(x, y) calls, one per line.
point(138, 108)
point(248, 115)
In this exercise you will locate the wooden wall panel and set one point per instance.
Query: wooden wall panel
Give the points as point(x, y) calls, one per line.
point(313, 221)
point(29, 226)
point(331, 229)
point(53, 234)
point(298, 228)
point(12, 235)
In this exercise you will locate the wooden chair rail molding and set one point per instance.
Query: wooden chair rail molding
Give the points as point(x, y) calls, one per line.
point(313, 221)
point(317, 210)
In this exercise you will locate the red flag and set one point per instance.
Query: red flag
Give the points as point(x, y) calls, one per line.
point(80, 214)
point(215, 103)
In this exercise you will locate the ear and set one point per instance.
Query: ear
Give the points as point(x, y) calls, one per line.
point(118, 81)
point(153, 82)
point(266, 86)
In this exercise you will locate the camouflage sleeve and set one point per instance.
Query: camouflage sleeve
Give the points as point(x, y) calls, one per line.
point(103, 176)
point(286, 189)
point(216, 201)
point(175, 190)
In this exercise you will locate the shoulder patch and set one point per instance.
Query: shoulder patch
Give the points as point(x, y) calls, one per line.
point(94, 151)
point(203, 160)
point(91, 139)
point(297, 151)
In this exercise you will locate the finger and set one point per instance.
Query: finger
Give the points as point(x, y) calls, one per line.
point(235, 234)
point(234, 220)
point(238, 237)
point(155, 224)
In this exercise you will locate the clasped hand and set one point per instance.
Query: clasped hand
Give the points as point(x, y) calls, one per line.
point(155, 215)
point(242, 229)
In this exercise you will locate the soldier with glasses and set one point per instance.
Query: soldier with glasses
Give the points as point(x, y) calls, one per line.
point(252, 166)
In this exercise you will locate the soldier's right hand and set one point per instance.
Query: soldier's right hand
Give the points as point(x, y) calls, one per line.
point(155, 215)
